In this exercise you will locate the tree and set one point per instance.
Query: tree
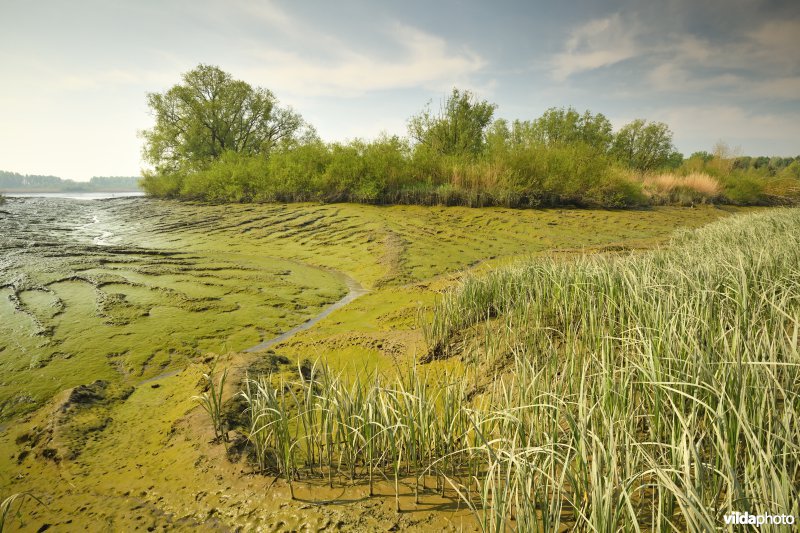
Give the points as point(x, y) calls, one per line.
point(674, 160)
point(792, 170)
point(567, 126)
point(211, 113)
point(643, 146)
point(458, 128)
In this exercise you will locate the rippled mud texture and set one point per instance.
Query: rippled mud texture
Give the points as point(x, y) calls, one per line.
point(111, 311)
point(83, 298)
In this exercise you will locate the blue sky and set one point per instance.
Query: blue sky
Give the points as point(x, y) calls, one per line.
point(75, 74)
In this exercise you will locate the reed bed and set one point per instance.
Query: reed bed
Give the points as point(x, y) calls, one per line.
point(696, 187)
point(367, 427)
point(656, 391)
point(651, 392)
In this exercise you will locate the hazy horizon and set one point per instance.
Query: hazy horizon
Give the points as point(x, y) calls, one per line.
point(77, 74)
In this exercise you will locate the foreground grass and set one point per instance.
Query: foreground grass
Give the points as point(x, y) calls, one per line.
point(653, 392)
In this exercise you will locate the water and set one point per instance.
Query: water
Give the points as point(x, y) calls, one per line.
point(66, 218)
point(74, 195)
point(354, 290)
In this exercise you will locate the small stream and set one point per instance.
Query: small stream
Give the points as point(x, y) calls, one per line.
point(354, 290)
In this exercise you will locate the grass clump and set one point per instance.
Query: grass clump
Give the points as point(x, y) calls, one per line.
point(670, 189)
point(211, 401)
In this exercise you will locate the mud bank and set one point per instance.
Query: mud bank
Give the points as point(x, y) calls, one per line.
point(114, 293)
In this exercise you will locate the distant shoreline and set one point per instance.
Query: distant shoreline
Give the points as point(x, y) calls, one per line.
point(75, 195)
point(52, 190)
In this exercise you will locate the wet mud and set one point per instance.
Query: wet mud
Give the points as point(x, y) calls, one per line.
point(111, 311)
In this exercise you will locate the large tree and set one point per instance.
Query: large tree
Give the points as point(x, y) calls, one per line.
point(567, 126)
point(211, 113)
point(643, 146)
point(457, 129)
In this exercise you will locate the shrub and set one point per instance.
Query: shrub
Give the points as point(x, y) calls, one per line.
point(744, 189)
point(617, 191)
point(166, 185)
point(232, 178)
point(693, 188)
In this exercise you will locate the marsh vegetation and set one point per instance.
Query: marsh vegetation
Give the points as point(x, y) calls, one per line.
point(654, 391)
point(218, 139)
point(153, 292)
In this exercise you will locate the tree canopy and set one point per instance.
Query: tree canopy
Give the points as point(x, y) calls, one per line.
point(457, 129)
point(643, 145)
point(566, 126)
point(221, 140)
point(211, 113)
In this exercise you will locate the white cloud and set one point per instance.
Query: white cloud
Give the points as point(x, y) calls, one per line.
point(314, 61)
point(423, 60)
point(762, 62)
point(780, 88)
point(598, 43)
point(769, 49)
point(776, 43)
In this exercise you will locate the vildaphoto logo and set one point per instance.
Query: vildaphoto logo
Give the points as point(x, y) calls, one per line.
point(744, 519)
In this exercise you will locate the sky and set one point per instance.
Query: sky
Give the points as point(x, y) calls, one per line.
point(74, 75)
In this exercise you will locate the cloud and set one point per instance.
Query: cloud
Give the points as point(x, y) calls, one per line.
point(771, 48)
point(313, 61)
point(598, 43)
point(422, 60)
point(760, 62)
point(776, 43)
point(779, 88)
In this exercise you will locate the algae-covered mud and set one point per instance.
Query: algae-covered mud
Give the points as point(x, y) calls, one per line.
point(112, 310)
point(84, 294)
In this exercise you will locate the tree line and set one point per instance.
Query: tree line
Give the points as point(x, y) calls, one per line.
point(15, 182)
point(221, 140)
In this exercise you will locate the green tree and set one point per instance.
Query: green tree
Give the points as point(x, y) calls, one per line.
point(643, 146)
point(674, 160)
point(792, 171)
point(702, 155)
point(211, 113)
point(457, 129)
point(498, 137)
point(567, 126)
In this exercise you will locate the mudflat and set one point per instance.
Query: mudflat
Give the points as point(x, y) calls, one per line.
point(112, 310)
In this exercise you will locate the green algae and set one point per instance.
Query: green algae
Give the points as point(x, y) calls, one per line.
point(72, 311)
point(180, 280)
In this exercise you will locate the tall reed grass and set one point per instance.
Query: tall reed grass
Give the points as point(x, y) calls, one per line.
point(692, 188)
point(650, 392)
point(7, 511)
point(211, 401)
point(657, 391)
